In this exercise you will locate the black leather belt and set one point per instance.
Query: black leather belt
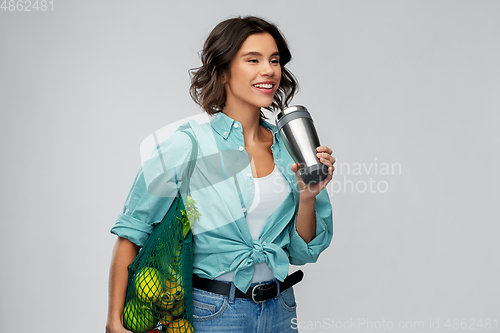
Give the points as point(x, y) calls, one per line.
point(259, 293)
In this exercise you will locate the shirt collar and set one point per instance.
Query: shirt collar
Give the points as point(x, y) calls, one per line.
point(223, 124)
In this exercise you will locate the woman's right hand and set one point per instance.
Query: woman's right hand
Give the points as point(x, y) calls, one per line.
point(117, 329)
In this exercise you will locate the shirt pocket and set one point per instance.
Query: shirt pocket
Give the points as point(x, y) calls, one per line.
point(207, 305)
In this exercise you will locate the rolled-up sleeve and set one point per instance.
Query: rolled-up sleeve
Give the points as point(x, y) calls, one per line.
point(154, 189)
point(301, 252)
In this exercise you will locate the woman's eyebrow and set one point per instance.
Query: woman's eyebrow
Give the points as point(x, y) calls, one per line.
point(255, 53)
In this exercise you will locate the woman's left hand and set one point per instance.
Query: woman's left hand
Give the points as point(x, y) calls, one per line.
point(309, 191)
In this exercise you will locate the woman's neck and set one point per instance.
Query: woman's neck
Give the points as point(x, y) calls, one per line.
point(249, 120)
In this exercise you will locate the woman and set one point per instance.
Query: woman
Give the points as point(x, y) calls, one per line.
point(255, 220)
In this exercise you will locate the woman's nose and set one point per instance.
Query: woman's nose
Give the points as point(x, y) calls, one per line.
point(267, 69)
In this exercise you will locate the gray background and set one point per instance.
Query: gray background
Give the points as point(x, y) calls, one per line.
point(409, 82)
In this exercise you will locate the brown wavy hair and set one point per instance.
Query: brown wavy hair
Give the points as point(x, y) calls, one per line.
point(207, 89)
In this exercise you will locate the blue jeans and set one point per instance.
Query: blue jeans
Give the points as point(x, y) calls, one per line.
point(217, 313)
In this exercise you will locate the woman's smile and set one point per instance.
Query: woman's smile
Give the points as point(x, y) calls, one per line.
point(265, 87)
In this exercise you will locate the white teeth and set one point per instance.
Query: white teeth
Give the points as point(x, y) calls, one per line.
point(265, 85)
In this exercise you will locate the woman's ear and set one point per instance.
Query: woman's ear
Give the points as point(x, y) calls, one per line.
point(225, 77)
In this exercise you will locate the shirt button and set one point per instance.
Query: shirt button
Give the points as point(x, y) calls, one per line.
point(241, 148)
point(225, 133)
point(249, 174)
point(244, 210)
point(236, 125)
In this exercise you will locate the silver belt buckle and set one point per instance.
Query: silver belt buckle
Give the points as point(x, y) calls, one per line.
point(253, 293)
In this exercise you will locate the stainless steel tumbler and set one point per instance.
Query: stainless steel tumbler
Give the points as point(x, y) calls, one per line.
point(298, 133)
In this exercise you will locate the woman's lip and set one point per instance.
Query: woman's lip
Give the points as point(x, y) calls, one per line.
point(264, 91)
point(266, 82)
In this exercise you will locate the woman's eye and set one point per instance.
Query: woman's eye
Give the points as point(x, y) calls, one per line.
point(253, 60)
point(275, 61)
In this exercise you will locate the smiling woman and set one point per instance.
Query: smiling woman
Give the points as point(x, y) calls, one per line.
point(241, 257)
point(223, 49)
point(254, 74)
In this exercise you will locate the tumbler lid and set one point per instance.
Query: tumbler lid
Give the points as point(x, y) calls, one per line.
point(291, 113)
point(290, 109)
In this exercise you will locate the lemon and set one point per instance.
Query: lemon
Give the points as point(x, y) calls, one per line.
point(180, 326)
point(138, 317)
point(149, 284)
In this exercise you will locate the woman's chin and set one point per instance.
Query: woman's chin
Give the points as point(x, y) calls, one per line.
point(265, 104)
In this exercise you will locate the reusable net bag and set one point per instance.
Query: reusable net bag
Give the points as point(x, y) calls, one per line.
point(159, 291)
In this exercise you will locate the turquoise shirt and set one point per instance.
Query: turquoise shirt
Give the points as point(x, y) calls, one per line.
point(223, 187)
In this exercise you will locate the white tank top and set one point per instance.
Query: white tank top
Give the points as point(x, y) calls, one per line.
point(270, 192)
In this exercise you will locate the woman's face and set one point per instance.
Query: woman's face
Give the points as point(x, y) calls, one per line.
point(255, 73)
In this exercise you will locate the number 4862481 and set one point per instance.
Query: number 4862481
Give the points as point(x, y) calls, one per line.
point(27, 5)
point(471, 323)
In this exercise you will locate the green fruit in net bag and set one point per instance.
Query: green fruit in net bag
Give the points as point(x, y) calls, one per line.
point(149, 284)
point(138, 317)
point(174, 275)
